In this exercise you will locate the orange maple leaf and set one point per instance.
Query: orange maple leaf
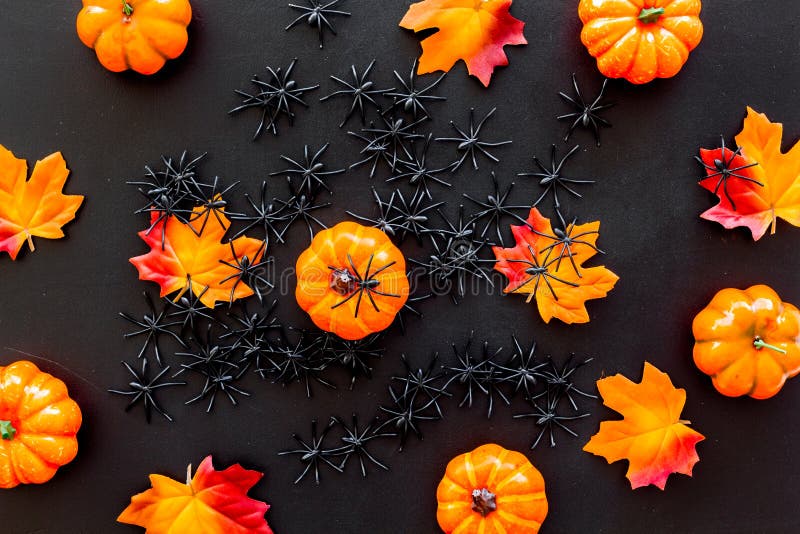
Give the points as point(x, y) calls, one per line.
point(36, 207)
point(754, 195)
point(473, 30)
point(547, 265)
point(651, 435)
point(212, 502)
point(196, 258)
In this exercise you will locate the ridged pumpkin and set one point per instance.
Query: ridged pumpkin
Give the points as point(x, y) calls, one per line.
point(491, 490)
point(38, 424)
point(640, 40)
point(135, 34)
point(748, 342)
point(352, 280)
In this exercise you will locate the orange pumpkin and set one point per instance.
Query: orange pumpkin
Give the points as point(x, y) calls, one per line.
point(352, 280)
point(135, 34)
point(38, 423)
point(748, 341)
point(491, 490)
point(640, 40)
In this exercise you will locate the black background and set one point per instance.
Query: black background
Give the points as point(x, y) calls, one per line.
point(61, 302)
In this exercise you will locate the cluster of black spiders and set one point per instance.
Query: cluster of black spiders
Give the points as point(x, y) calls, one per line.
point(416, 397)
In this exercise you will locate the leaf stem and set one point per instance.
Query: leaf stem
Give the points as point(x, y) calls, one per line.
point(650, 15)
point(759, 344)
point(7, 430)
point(127, 8)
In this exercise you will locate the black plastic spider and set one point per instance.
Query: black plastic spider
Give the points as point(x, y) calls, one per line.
point(252, 326)
point(552, 178)
point(559, 381)
point(376, 149)
point(207, 355)
point(189, 308)
point(212, 203)
point(311, 172)
point(356, 442)
point(587, 115)
point(265, 214)
point(248, 271)
point(417, 172)
point(296, 362)
point(548, 418)
point(164, 206)
point(300, 207)
point(469, 142)
point(414, 214)
point(152, 326)
point(173, 190)
point(393, 137)
point(475, 375)
point(219, 380)
point(723, 172)
point(412, 100)
point(387, 220)
point(144, 389)
point(522, 370)
point(405, 414)
point(354, 356)
point(494, 209)
point(349, 283)
point(538, 270)
point(565, 242)
point(361, 90)
point(315, 452)
point(275, 98)
point(316, 14)
point(424, 382)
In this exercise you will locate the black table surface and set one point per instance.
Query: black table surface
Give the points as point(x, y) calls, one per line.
point(62, 302)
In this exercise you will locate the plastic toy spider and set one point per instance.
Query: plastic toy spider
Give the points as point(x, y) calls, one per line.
point(212, 204)
point(311, 172)
point(548, 419)
point(723, 172)
point(494, 209)
point(394, 137)
point(351, 284)
point(313, 453)
point(475, 375)
point(296, 362)
point(411, 99)
point(469, 141)
point(551, 178)
point(275, 98)
point(354, 356)
point(316, 14)
point(559, 381)
point(417, 172)
point(190, 308)
point(208, 355)
point(265, 214)
point(172, 190)
point(376, 148)
point(300, 208)
point(164, 206)
point(248, 272)
point(587, 115)
point(356, 442)
point(252, 326)
point(219, 380)
point(144, 389)
point(361, 90)
point(539, 271)
point(424, 382)
point(414, 214)
point(522, 370)
point(386, 221)
point(406, 414)
point(152, 326)
point(563, 243)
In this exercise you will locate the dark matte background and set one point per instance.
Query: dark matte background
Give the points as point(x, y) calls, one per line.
point(61, 303)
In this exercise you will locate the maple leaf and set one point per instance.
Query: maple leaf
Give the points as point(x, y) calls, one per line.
point(751, 195)
point(36, 207)
point(183, 256)
point(546, 264)
point(651, 435)
point(473, 30)
point(212, 502)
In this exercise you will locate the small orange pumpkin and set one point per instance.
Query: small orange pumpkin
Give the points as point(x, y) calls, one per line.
point(135, 34)
point(491, 490)
point(640, 40)
point(352, 280)
point(748, 342)
point(38, 424)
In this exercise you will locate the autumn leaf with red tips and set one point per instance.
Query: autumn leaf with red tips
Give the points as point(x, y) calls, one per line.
point(756, 183)
point(547, 264)
point(211, 502)
point(651, 436)
point(192, 255)
point(473, 30)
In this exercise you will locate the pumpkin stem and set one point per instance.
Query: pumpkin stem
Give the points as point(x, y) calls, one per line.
point(127, 9)
point(759, 344)
point(7, 430)
point(483, 501)
point(650, 15)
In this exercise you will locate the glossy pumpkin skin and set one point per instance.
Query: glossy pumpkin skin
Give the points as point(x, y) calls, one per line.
point(520, 503)
point(727, 346)
point(328, 275)
point(38, 422)
point(640, 40)
point(135, 34)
